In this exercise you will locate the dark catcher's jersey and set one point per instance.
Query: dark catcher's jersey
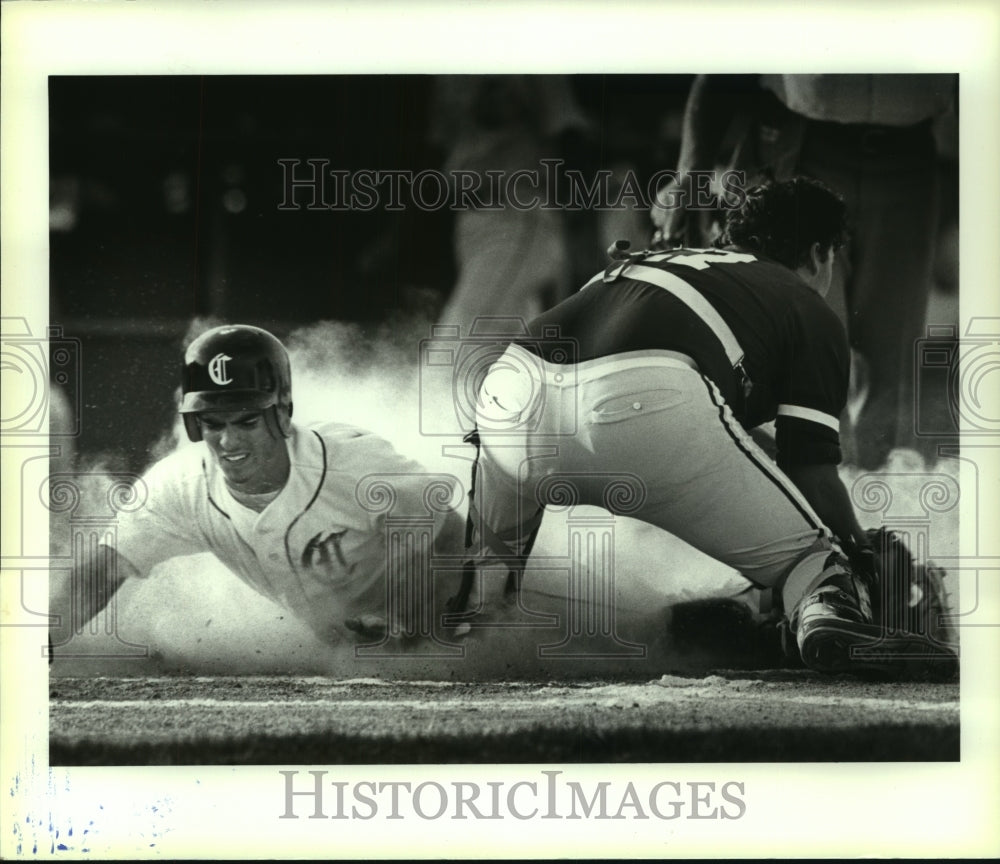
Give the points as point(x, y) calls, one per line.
point(796, 351)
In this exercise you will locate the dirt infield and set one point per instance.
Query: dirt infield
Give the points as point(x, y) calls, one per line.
point(730, 716)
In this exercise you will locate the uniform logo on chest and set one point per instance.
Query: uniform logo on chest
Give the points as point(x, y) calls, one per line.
point(323, 551)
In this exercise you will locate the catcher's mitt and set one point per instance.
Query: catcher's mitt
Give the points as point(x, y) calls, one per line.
point(908, 597)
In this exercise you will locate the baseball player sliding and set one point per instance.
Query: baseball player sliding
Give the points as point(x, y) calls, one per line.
point(678, 353)
point(282, 506)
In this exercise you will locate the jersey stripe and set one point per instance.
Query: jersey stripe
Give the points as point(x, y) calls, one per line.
point(810, 414)
point(319, 488)
point(695, 301)
point(767, 467)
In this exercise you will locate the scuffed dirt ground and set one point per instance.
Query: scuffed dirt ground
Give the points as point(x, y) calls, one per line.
point(738, 716)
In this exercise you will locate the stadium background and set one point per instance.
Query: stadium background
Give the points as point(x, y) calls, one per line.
point(164, 208)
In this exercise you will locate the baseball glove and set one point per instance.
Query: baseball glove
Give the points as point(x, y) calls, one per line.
point(908, 601)
point(909, 597)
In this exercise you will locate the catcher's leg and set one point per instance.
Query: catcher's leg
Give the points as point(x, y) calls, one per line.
point(882, 620)
point(501, 528)
point(710, 484)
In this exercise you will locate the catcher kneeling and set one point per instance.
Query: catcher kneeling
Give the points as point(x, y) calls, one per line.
point(673, 356)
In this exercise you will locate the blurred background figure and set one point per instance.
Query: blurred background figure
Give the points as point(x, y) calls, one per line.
point(511, 255)
point(167, 193)
point(884, 142)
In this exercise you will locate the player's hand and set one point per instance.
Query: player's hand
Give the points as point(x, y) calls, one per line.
point(864, 560)
point(685, 213)
point(368, 627)
point(669, 213)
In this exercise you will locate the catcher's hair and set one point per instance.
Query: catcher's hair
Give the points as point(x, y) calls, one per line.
point(783, 220)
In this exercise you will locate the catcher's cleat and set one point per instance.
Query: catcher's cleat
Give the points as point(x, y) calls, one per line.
point(836, 632)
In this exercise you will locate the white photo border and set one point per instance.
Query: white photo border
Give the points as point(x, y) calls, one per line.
point(935, 810)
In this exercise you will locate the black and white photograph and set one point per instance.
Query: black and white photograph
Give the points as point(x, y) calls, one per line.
point(405, 432)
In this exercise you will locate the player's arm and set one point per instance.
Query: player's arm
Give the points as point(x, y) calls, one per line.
point(712, 103)
point(449, 540)
point(85, 591)
point(808, 452)
point(416, 493)
point(811, 399)
point(824, 490)
point(164, 527)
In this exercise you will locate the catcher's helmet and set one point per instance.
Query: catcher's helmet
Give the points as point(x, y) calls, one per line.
point(236, 368)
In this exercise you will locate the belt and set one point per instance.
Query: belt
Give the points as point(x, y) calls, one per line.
point(562, 375)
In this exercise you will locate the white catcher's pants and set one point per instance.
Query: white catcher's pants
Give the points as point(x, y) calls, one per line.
point(642, 434)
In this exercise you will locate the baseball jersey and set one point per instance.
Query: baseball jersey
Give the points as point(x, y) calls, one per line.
point(315, 550)
point(796, 351)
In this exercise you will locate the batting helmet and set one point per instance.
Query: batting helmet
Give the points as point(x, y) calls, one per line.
point(236, 368)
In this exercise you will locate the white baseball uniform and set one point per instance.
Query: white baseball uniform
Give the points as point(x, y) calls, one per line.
point(320, 548)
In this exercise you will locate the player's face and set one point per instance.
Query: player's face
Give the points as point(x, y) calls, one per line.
point(251, 458)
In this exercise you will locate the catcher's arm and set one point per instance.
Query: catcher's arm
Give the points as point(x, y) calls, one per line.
point(825, 491)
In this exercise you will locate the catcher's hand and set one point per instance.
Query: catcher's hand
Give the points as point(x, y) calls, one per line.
point(908, 597)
